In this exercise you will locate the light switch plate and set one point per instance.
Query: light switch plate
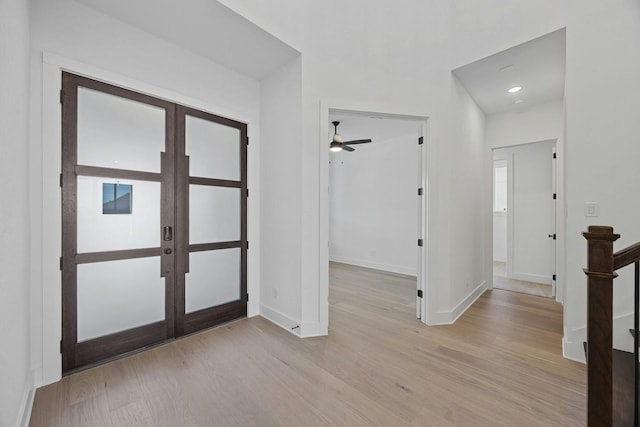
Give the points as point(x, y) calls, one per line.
point(591, 209)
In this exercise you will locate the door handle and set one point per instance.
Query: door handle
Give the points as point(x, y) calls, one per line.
point(167, 234)
point(552, 236)
point(168, 251)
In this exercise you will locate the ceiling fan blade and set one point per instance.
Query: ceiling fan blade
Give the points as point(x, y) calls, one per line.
point(347, 148)
point(357, 141)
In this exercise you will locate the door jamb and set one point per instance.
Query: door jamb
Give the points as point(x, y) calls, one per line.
point(559, 208)
point(323, 251)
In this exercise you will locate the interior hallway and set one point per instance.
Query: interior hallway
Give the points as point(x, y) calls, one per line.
point(499, 365)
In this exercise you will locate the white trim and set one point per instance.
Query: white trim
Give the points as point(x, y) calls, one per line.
point(573, 350)
point(279, 318)
point(449, 317)
point(572, 342)
point(26, 403)
point(311, 329)
point(374, 265)
point(535, 278)
point(51, 144)
point(341, 105)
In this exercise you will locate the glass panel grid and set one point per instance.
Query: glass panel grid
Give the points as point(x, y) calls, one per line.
point(214, 214)
point(118, 295)
point(213, 149)
point(119, 133)
point(98, 232)
point(213, 279)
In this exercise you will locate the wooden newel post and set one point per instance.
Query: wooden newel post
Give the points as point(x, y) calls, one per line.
point(600, 273)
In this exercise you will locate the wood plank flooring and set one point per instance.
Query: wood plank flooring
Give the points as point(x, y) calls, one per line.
point(499, 365)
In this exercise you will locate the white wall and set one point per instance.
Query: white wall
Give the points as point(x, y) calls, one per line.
point(539, 122)
point(471, 207)
point(373, 216)
point(16, 378)
point(481, 29)
point(603, 62)
point(356, 60)
point(500, 236)
point(91, 42)
point(281, 100)
point(375, 67)
point(531, 211)
point(603, 100)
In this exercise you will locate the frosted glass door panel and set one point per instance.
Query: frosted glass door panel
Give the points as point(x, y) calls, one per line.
point(117, 295)
point(115, 132)
point(214, 149)
point(213, 279)
point(98, 231)
point(214, 214)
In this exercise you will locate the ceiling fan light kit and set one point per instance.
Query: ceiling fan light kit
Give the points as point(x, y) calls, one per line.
point(337, 144)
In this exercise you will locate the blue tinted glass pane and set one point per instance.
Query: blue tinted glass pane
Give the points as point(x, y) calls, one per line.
point(116, 198)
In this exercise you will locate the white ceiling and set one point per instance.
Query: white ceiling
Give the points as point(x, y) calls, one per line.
point(538, 66)
point(205, 27)
point(378, 128)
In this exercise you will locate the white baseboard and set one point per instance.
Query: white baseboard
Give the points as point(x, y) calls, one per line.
point(535, 278)
point(449, 317)
point(312, 329)
point(408, 271)
point(26, 403)
point(572, 342)
point(573, 350)
point(281, 319)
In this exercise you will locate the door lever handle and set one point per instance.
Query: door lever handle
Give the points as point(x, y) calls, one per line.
point(167, 234)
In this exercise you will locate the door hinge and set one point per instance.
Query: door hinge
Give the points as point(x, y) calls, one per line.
point(247, 245)
point(61, 96)
point(554, 155)
point(247, 140)
point(60, 346)
point(60, 263)
point(554, 277)
point(420, 140)
point(419, 293)
point(247, 192)
point(554, 196)
point(247, 296)
point(419, 191)
point(420, 242)
point(60, 180)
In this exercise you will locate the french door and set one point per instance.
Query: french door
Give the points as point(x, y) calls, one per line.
point(154, 234)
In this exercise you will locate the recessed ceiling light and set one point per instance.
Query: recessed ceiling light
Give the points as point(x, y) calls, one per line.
point(519, 101)
point(515, 89)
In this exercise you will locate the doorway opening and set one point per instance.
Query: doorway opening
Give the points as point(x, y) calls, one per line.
point(524, 218)
point(376, 213)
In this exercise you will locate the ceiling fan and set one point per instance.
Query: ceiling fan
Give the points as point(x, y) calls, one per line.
point(337, 144)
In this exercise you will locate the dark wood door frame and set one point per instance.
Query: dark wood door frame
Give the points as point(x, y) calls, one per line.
point(173, 253)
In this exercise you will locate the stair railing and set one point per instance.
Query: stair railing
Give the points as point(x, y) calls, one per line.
point(601, 270)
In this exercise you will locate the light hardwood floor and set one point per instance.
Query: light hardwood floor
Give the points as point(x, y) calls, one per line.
point(499, 365)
